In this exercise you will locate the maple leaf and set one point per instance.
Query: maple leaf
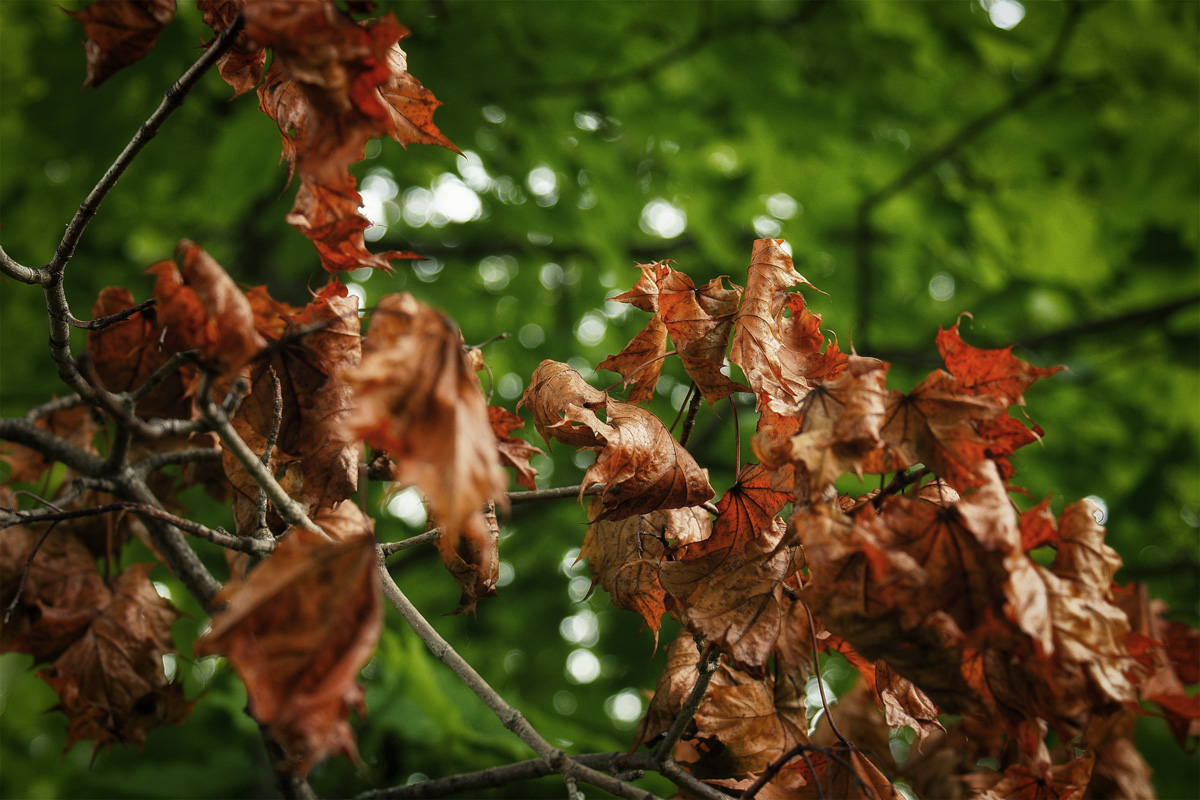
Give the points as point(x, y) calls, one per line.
point(242, 65)
point(552, 388)
point(110, 682)
point(773, 370)
point(734, 599)
point(623, 556)
point(313, 346)
point(514, 452)
point(990, 372)
point(641, 362)
point(746, 510)
point(700, 321)
point(200, 308)
point(1119, 769)
point(417, 398)
point(905, 704)
point(841, 423)
point(1018, 782)
point(936, 424)
point(61, 595)
point(298, 629)
point(410, 105)
point(119, 32)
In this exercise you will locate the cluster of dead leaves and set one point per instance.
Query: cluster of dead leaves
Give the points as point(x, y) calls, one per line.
point(333, 84)
point(927, 587)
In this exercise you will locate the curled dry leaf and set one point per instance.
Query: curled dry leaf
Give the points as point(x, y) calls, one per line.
point(200, 308)
point(417, 398)
point(298, 629)
point(641, 362)
point(120, 33)
point(1018, 782)
point(242, 65)
point(623, 556)
point(514, 452)
point(473, 558)
point(110, 682)
point(62, 594)
point(553, 388)
point(777, 374)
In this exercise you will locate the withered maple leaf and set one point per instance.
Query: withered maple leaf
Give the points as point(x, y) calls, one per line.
point(993, 372)
point(641, 362)
point(417, 398)
point(622, 556)
point(514, 452)
point(298, 629)
point(777, 374)
point(700, 321)
point(126, 353)
point(1018, 782)
point(242, 65)
point(733, 598)
point(642, 467)
point(119, 32)
point(61, 593)
point(110, 682)
point(745, 511)
point(312, 347)
point(201, 308)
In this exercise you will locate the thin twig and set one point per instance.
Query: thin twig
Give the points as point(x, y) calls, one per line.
point(57, 404)
point(693, 408)
point(261, 530)
point(112, 319)
point(511, 718)
point(170, 458)
point(517, 498)
point(706, 667)
point(19, 272)
point(390, 548)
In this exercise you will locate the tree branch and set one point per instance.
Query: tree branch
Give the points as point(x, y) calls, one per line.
point(511, 718)
point(20, 272)
point(517, 498)
point(172, 99)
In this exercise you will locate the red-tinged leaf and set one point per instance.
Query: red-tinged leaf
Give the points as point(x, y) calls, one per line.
point(936, 424)
point(328, 214)
point(805, 343)
point(410, 105)
point(734, 599)
point(314, 345)
point(126, 353)
point(62, 592)
point(514, 452)
point(644, 294)
point(298, 629)
point(641, 362)
point(849, 776)
point(841, 424)
point(1038, 527)
point(110, 682)
point(643, 468)
point(1018, 782)
point(700, 321)
point(553, 388)
point(200, 308)
point(758, 347)
point(623, 557)
point(119, 32)
point(1183, 648)
point(989, 372)
point(1182, 713)
point(746, 511)
point(417, 398)
point(242, 65)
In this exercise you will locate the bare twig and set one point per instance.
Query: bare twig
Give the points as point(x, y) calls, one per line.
point(517, 498)
point(511, 718)
point(112, 319)
point(689, 420)
point(706, 667)
point(159, 460)
point(390, 548)
point(20, 272)
point(57, 404)
point(261, 531)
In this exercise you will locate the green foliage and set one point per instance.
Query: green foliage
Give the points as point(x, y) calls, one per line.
point(1054, 224)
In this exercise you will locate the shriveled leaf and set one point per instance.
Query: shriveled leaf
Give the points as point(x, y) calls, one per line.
point(63, 591)
point(642, 466)
point(674, 685)
point(553, 388)
point(127, 352)
point(298, 629)
point(200, 308)
point(410, 105)
point(641, 362)
point(734, 599)
point(700, 321)
point(905, 704)
point(242, 65)
point(623, 556)
point(110, 682)
point(774, 371)
point(120, 32)
point(514, 452)
point(417, 398)
point(1018, 782)
point(328, 213)
point(739, 711)
point(1120, 771)
point(851, 776)
point(473, 558)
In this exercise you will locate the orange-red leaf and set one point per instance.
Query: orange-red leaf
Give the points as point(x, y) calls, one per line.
point(200, 308)
point(699, 321)
point(514, 452)
point(298, 629)
point(991, 372)
point(746, 510)
point(119, 32)
point(641, 362)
